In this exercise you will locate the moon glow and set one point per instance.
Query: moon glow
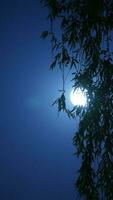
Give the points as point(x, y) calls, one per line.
point(78, 97)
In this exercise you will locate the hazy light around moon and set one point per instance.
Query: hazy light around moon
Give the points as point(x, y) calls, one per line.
point(78, 97)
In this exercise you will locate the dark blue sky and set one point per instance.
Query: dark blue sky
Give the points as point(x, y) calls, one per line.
point(36, 152)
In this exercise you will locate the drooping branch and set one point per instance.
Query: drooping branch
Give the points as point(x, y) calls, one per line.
point(87, 27)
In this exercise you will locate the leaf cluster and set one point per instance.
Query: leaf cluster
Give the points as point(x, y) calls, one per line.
point(85, 47)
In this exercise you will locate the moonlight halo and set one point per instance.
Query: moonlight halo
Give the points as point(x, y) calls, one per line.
point(78, 97)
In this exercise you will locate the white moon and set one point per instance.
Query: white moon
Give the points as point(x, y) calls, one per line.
point(78, 97)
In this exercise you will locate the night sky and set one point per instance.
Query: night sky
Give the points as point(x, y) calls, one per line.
point(36, 151)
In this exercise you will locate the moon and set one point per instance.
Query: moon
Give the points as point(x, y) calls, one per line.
point(78, 97)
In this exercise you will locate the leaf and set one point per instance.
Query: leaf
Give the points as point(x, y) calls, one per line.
point(52, 66)
point(44, 34)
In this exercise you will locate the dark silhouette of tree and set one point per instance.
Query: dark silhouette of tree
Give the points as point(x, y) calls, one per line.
point(84, 44)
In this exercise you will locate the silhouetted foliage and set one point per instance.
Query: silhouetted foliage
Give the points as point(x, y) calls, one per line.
point(84, 44)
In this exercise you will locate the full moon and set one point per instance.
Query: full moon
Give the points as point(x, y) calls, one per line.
point(78, 97)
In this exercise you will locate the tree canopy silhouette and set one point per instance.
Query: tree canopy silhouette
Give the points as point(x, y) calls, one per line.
point(84, 44)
